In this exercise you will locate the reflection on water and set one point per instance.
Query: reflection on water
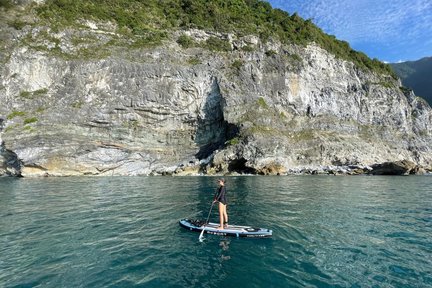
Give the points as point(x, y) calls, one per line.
point(124, 232)
point(224, 244)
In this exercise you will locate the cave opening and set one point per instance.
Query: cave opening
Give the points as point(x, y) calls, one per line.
point(239, 166)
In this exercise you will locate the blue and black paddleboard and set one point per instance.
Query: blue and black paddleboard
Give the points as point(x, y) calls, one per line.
point(230, 230)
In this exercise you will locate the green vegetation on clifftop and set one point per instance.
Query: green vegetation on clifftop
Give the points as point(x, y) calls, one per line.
point(150, 20)
point(6, 4)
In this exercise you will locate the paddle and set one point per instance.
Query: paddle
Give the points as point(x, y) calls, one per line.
point(201, 237)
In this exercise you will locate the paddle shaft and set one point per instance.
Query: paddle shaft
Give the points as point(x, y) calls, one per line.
point(208, 216)
point(205, 223)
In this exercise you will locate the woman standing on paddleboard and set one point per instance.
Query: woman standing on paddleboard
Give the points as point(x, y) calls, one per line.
point(221, 198)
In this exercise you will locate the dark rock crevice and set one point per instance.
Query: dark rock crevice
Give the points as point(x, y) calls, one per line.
point(10, 165)
point(239, 166)
point(403, 167)
point(212, 129)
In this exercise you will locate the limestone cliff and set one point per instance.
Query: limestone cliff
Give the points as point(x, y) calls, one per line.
point(272, 109)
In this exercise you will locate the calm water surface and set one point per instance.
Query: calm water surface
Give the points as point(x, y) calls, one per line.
point(124, 232)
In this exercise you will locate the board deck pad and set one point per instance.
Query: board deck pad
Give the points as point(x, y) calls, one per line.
point(230, 230)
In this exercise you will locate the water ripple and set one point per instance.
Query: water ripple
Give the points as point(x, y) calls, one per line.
point(124, 232)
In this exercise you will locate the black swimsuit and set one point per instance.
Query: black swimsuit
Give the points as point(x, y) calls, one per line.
point(221, 196)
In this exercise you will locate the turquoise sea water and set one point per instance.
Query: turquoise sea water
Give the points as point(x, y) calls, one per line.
point(123, 232)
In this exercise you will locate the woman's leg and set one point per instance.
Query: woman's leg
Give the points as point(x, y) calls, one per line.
point(221, 215)
point(225, 214)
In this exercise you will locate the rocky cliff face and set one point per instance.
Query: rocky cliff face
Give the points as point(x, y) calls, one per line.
point(273, 110)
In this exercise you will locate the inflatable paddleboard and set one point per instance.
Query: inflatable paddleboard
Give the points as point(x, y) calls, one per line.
point(230, 230)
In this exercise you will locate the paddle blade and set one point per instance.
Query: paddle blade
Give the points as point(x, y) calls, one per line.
point(201, 236)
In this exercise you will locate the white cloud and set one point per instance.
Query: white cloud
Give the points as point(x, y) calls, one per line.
point(393, 24)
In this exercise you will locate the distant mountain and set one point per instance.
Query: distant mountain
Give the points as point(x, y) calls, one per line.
point(416, 75)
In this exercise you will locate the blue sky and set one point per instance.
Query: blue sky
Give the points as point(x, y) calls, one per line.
point(390, 30)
